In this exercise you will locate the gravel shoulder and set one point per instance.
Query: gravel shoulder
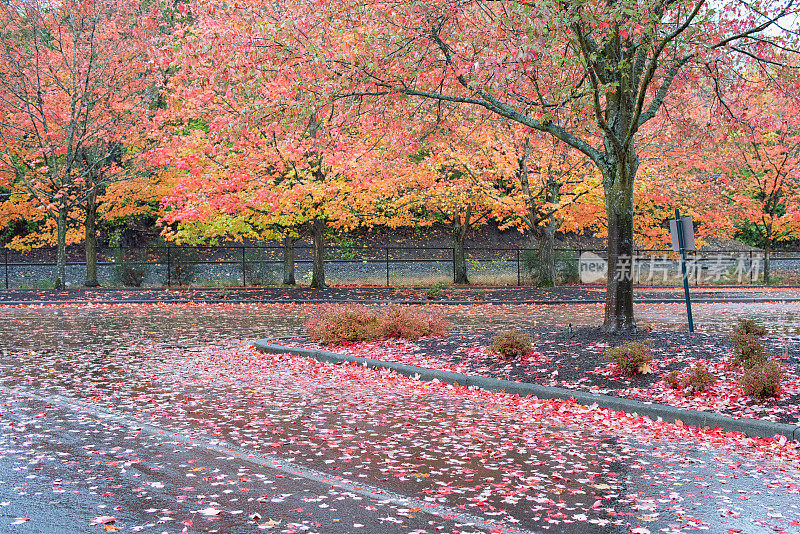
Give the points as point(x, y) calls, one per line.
point(416, 295)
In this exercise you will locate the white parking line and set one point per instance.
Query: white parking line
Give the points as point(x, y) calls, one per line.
point(274, 462)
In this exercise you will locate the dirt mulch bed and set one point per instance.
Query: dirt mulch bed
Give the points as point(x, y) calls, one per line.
point(575, 359)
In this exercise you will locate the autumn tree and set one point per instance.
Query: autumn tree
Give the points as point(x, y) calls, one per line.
point(768, 191)
point(548, 179)
point(71, 85)
point(490, 169)
point(451, 191)
point(260, 143)
point(539, 64)
point(746, 157)
point(455, 178)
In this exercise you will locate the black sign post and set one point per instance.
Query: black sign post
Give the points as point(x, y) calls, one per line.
point(680, 228)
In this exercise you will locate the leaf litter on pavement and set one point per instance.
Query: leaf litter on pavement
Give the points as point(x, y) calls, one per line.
point(521, 463)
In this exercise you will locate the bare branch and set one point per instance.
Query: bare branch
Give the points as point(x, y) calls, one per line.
point(638, 118)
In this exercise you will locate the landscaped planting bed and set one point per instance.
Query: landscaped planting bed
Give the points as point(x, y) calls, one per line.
point(575, 358)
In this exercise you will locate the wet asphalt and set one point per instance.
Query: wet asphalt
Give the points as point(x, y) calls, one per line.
point(146, 416)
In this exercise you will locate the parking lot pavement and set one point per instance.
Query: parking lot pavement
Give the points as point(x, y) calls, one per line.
point(131, 415)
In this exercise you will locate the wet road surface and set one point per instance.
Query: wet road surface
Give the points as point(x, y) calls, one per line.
point(162, 418)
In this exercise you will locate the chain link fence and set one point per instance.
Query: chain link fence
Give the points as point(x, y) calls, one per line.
point(243, 265)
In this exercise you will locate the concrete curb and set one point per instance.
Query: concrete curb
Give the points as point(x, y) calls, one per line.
point(750, 427)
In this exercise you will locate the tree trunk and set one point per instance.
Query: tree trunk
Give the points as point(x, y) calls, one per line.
point(543, 235)
point(61, 249)
point(547, 238)
point(318, 271)
point(619, 210)
point(459, 257)
point(459, 262)
point(90, 238)
point(546, 268)
point(288, 260)
point(767, 279)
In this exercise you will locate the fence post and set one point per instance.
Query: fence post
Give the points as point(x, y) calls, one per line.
point(6, 255)
point(169, 268)
point(387, 267)
point(519, 274)
point(244, 277)
point(453, 250)
point(751, 266)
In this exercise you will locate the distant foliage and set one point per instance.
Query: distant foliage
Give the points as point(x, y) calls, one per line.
point(262, 273)
point(351, 324)
point(567, 266)
point(511, 344)
point(183, 265)
point(126, 273)
point(632, 358)
point(129, 275)
point(763, 380)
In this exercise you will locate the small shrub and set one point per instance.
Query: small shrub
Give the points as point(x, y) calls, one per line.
point(632, 358)
point(436, 290)
point(748, 346)
point(763, 380)
point(698, 380)
point(408, 323)
point(673, 380)
point(343, 324)
point(748, 351)
point(127, 273)
point(749, 327)
point(351, 324)
point(511, 344)
point(567, 266)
